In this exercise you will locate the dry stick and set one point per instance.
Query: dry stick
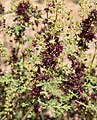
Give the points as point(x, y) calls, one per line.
point(3, 118)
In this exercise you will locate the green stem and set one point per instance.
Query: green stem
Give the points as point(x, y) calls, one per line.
point(93, 58)
point(24, 118)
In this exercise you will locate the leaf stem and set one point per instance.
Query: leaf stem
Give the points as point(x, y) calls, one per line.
point(94, 55)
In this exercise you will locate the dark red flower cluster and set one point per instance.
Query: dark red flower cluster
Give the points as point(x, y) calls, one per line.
point(22, 10)
point(22, 7)
point(36, 108)
point(35, 91)
point(75, 80)
point(43, 76)
point(52, 52)
point(13, 58)
point(40, 77)
point(1, 9)
point(94, 96)
point(93, 15)
point(77, 66)
point(87, 31)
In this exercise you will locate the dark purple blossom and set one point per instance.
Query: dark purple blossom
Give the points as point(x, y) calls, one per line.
point(35, 91)
point(51, 52)
point(43, 76)
point(13, 58)
point(94, 96)
point(26, 17)
point(22, 10)
point(75, 80)
point(87, 33)
point(51, 4)
point(48, 60)
point(36, 108)
point(34, 43)
point(58, 48)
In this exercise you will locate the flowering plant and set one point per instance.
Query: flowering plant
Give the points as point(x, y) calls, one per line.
point(48, 72)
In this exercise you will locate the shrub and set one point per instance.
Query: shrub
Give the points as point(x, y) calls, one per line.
point(39, 83)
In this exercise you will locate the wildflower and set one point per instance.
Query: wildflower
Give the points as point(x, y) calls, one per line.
point(22, 10)
point(87, 33)
point(94, 96)
point(35, 91)
point(51, 4)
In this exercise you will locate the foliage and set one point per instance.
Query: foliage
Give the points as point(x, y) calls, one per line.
point(39, 83)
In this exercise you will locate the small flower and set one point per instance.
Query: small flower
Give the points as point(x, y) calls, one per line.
point(42, 77)
point(58, 48)
point(87, 33)
point(34, 43)
point(51, 4)
point(36, 108)
point(35, 91)
point(94, 96)
point(22, 8)
point(26, 17)
point(74, 80)
point(13, 58)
